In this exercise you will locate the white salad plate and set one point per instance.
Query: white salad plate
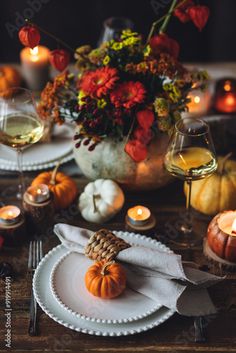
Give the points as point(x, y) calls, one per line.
point(61, 306)
point(42, 155)
point(68, 287)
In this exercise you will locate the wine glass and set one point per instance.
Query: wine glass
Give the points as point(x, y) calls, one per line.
point(20, 126)
point(190, 156)
point(113, 27)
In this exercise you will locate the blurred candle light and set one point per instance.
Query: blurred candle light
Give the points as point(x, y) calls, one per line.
point(225, 98)
point(35, 66)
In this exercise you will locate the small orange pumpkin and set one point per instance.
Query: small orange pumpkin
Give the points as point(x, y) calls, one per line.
point(105, 280)
point(9, 77)
point(62, 186)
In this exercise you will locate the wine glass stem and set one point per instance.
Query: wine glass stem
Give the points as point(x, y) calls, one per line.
point(188, 207)
point(21, 186)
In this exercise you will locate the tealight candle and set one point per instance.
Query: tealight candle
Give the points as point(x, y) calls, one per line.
point(140, 218)
point(199, 102)
point(35, 66)
point(9, 214)
point(220, 244)
point(38, 193)
point(225, 99)
point(12, 225)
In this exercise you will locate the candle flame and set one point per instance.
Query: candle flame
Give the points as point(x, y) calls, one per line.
point(34, 54)
point(197, 99)
point(233, 230)
point(139, 211)
point(39, 191)
point(230, 100)
point(10, 214)
point(227, 86)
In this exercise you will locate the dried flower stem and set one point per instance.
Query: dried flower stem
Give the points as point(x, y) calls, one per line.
point(58, 40)
point(168, 14)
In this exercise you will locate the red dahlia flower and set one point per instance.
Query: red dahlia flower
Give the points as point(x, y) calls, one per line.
point(199, 15)
point(128, 94)
point(182, 11)
point(99, 82)
point(29, 36)
point(136, 150)
point(145, 118)
point(162, 43)
point(59, 58)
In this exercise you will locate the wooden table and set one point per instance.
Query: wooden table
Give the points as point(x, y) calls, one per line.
point(175, 335)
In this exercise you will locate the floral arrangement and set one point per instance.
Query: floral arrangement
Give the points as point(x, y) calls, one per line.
point(126, 89)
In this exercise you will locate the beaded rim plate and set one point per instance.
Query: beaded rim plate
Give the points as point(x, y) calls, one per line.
point(91, 308)
point(71, 294)
point(59, 314)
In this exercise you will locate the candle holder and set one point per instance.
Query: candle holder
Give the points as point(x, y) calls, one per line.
point(139, 218)
point(39, 208)
point(225, 96)
point(220, 242)
point(12, 226)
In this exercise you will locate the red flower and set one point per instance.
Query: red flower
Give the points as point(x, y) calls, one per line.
point(199, 15)
point(128, 94)
point(99, 82)
point(182, 11)
point(29, 36)
point(136, 150)
point(162, 43)
point(59, 58)
point(144, 136)
point(145, 118)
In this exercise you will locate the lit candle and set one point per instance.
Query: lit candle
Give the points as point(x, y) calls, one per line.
point(9, 215)
point(227, 223)
point(200, 102)
point(139, 215)
point(12, 225)
point(35, 66)
point(39, 193)
point(225, 100)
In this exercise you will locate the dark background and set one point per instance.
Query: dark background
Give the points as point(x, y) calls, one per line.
point(79, 22)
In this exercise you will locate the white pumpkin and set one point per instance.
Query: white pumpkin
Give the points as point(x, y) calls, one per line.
point(101, 200)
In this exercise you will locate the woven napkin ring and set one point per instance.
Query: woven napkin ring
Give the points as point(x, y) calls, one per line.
point(104, 245)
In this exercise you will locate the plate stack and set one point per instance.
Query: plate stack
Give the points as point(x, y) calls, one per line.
point(60, 291)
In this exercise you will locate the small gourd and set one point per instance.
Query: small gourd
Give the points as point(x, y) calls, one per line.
point(105, 280)
point(62, 186)
point(9, 77)
point(217, 192)
point(101, 200)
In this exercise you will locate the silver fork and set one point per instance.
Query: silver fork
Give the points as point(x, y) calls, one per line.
point(35, 256)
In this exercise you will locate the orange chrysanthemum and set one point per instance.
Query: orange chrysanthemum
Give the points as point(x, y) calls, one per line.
point(128, 94)
point(97, 83)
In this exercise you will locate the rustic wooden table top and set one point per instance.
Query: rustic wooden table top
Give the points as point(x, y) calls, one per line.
point(175, 335)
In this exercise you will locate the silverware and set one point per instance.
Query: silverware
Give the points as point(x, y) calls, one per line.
point(200, 324)
point(35, 256)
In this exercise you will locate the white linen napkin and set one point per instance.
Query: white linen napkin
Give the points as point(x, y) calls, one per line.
point(159, 275)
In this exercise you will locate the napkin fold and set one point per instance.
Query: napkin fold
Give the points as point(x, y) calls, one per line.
point(157, 274)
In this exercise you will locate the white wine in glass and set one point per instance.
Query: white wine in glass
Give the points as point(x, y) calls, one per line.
point(190, 156)
point(20, 126)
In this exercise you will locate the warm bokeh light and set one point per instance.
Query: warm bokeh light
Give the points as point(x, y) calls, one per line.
point(139, 211)
point(197, 99)
point(227, 86)
point(234, 227)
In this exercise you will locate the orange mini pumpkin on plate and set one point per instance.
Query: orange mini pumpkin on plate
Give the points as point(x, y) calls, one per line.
point(105, 280)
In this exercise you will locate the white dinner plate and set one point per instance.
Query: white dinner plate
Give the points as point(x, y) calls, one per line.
point(51, 306)
point(42, 155)
point(68, 287)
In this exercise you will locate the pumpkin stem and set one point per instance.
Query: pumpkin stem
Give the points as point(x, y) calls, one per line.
point(54, 173)
point(95, 196)
point(224, 160)
point(104, 269)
